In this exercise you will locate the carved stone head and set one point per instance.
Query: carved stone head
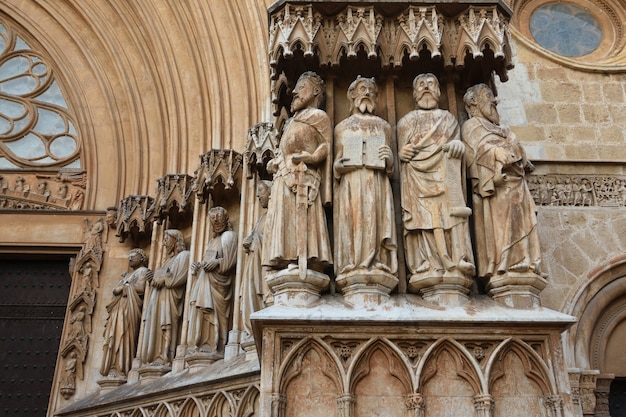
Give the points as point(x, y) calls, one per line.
point(174, 241)
point(308, 92)
point(363, 95)
point(426, 91)
point(480, 102)
point(263, 191)
point(218, 216)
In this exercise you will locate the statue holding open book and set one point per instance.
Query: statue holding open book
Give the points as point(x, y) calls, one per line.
point(365, 238)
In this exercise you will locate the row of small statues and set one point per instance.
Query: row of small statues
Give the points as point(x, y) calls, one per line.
point(292, 235)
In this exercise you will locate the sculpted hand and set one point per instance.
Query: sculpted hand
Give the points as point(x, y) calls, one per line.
point(303, 156)
point(530, 167)
point(272, 166)
point(499, 179)
point(247, 241)
point(158, 283)
point(340, 168)
point(406, 153)
point(454, 149)
point(211, 265)
point(384, 153)
point(195, 267)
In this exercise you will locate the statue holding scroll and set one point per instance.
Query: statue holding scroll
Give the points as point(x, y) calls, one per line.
point(434, 212)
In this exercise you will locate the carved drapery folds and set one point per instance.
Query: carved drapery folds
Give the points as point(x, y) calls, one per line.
point(85, 280)
point(218, 166)
point(477, 31)
point(134, 217)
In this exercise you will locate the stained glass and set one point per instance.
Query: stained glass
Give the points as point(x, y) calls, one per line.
point(36, 127)
point(565, 29)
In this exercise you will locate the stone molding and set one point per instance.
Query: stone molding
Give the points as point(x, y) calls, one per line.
point(578, 190)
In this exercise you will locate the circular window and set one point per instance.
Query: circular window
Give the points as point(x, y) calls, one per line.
point(565, 29)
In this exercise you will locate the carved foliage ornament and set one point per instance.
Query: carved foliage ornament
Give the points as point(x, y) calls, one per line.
point(476, 31)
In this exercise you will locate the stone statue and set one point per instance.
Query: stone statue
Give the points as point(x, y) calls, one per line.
point(165, 303)
point(122, 327)
point(211, 297)
point(252, 282)
point(434, 212)
point(296, 235)
point(505, 222)
point(365, 237)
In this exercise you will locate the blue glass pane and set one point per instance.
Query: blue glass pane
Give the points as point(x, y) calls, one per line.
point(63, 146)
point(565, 29)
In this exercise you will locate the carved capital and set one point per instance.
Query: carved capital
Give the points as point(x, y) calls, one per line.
point(345, 405)
point(134, 217)
point(483, 405)
point(279, 402)
point(415, 404)
point(554, 405)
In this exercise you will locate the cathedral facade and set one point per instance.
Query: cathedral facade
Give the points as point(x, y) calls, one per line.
point(313, 208)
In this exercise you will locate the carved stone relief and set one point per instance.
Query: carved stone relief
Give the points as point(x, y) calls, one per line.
point(85, 281)
point(64, 190)
point(578, 190)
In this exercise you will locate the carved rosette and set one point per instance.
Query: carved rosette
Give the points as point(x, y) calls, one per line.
point(173, 196)
point(134, 217)
point(85, 271)
point(218, 166)
point(260, 147)
point(479, 30)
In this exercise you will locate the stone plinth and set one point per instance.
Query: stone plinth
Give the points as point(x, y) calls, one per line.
point(291, 289)
point(449, 288)
point(408, 357)
point(517, 289)
point(366, 288)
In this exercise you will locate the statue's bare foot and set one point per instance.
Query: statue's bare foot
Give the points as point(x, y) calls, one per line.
point(425, 266)
point(466, 268)
point(520, 267)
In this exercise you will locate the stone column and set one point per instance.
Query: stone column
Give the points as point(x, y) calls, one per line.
point(603, 386)
point(587, 392)
point(483, 405)
point(345, 405)
point(415, 405)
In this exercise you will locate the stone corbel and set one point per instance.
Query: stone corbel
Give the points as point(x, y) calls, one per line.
point(173, 197)
point(415, 405)
point(260, 147)
point(134, 217)
point(218, 166)
point(483, 405)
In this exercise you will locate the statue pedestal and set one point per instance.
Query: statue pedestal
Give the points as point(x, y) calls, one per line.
point(290, 289)
point(447, 289)
point(152, 372)
point(196, 359)
point(109, 383)
point(366, 289)
point(517, 289)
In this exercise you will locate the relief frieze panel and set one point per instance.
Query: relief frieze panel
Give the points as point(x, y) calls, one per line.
point(64, 190)
point(578, 190)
